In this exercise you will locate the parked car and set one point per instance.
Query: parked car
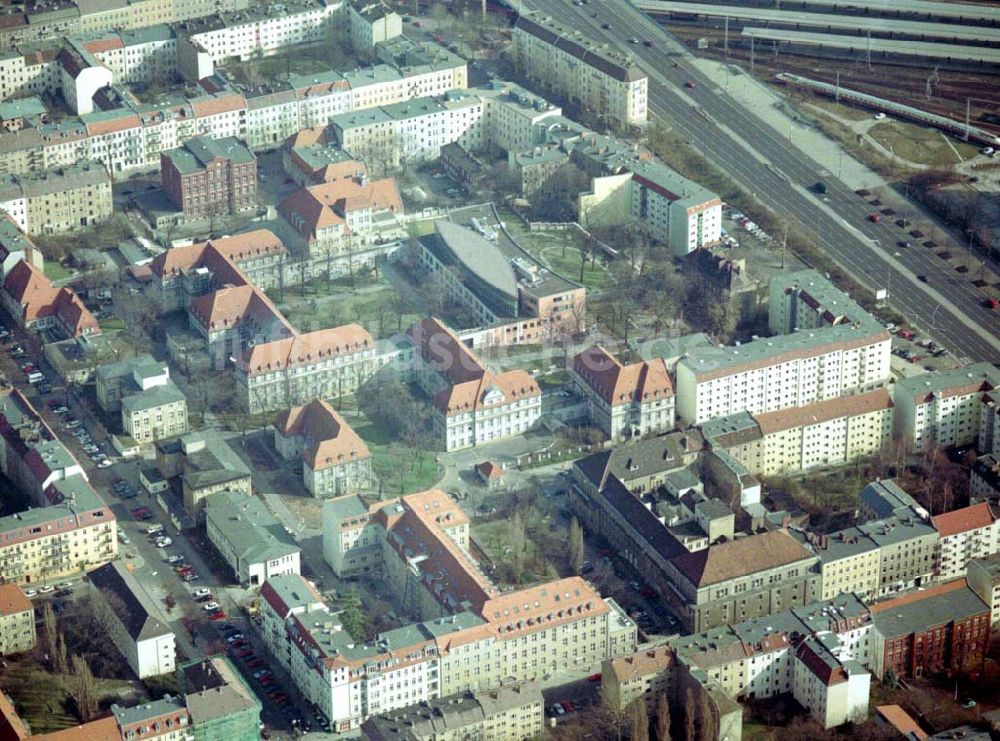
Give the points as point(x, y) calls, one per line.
point(211, 606)
point(174, 558)
point(220, 615)
point(29, 593)
point(47, 589)
point(106, 463)
point(190, 576)
point(202, 592)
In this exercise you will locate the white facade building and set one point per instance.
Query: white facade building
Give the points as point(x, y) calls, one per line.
point(966, 534)
point(943, 407)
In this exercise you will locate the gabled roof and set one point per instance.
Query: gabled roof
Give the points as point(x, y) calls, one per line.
point(741, 557)
point(13, 600)
point(133, 606)
point(963, 520)
point(616, 384)
point(824, 411)
point(328, 204)
point(330, 440)
point(302, 349)
point(38, 298)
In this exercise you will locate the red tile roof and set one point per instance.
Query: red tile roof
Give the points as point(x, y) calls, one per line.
point(213, 106)
point(104, 729)
point(11, 726)
point(111, 125)
point(902, 721)
point(38, 298)
point(973, 517)
point(328, 204)
point(910, 598)
point(827, 674)
point(619, 384)
point(13, 600)
point(331, 441)
point(302, 349)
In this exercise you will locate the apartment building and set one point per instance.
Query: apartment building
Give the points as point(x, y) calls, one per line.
point(63, 198)
point(850, 563)
point(515, 117)
point(774, 373)
point(166, 719)
point(606, 82)
point(150, 404)
point(17, 621)
point(352, 536)
point(140, 630)
point(942, 628)
point(335, 460)
point(943, 407)
point(625, 400)
point(883, 498)
point(964, 535)
point(480, 640)
point(984, 480)
point(346, 213)
point(824, 433)
point(472, 405)
point(644, 675)
point(504, 713)
point(70, 529)
point(807, 300)
point(254, 544)
point(210, 177)
point(309, 160)
point(35, 304)
point(410, 132)
point(256, 30)
point(220, 702)
point(983, 577)
point(372, 22)
point(15, 245)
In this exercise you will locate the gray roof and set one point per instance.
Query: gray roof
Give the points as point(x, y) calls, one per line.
point(987, 468)
point(714, 509)
point(157, 396)
point(168, 704)
point(731, 431)
point(448, 715)
point(884, 497)
point(922, 611)
point(452, 243)
point(134, 607)
point(253, 532)
point(198, 152)
point(124, 367)
point(983, 374)
point(61, 179)
point(214, 689)
point(640, 458)
point(215, 464)
point(343, 508)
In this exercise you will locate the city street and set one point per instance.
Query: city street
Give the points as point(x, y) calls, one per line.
point(779, 174)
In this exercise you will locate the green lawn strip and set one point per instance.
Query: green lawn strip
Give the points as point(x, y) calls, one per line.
point(491, 537)
point(390, 458)
point(55, 271)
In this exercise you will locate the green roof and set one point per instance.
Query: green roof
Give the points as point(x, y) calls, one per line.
point(201, 150)
point(342, 508)
point(940, 381)
point(21, 108)
point(157, 396)
point(245, 523)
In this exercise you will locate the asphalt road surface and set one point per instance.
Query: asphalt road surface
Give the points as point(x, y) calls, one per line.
point(758, 157)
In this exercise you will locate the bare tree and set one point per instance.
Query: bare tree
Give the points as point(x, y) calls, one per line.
point(51, 625)
point(707, 716)
point(662, 730)
point(640, 721)
point(577, 552)
point(690, 716)
point(82, 687)
point(62, 656)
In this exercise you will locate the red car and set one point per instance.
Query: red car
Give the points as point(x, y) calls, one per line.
point(648, 592)
point(568, 706)
point(594, 678)
point(690, 84)
point(220, 615)
point(875, 218)
point(255, 663)
point(991, 303)
point(245, 653)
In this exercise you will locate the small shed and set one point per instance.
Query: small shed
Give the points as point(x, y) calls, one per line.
point(490, 473)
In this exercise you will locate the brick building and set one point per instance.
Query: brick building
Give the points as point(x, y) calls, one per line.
point(210, 177)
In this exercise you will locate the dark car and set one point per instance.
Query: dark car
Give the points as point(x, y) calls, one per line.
point(922, 278)
point(903, 243)
point(606, 26)
point(690, 84)
point(648, 43)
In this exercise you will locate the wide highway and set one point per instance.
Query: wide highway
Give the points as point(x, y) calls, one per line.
point(766, 164)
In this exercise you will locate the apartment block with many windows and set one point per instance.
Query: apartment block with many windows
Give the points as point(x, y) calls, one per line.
point(606, 82)
point(965, 534)
point(943, 407)
point(17, 621)
point(210, 177)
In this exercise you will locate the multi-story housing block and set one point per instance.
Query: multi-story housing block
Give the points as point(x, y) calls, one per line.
point(625, 400)
point(220, 702)
point(410, 132)
point(70, 528)
point(481, 639)
point(151, 405)
point(472, 405)
point(592, 77)
point(942, 628)
point(17, 621)
point(850, 562)
point(943, 407)
point(372, 22)
point(824, 433)
point(335, 460)
point(514, 118)
point(205, 466)
point(61, 199)
point(140, 630)
point(965, 534)
point(210, 177)
point(254, 544)
point(15, 245)
point(513, 711)
point(774, 373)
point(984, 480)
point(644, 675)
point(166, 719)
point(246, 33)
point(352, 536)
point(983, 577)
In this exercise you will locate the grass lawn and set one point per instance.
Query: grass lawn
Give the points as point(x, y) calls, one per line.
point(112, 324)
point(920, 144)
point(55, 271)
point(400, 468)
point(422, 228)
point(557, 250)
point(553, 379)
point(492, 537)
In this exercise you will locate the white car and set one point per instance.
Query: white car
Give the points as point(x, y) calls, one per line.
point(107, 462)
point(202, 592)
point(210, 606)
point(879, 116)
point(29, 593)
point(988, 150)
point(164, 543)
point(47, 589)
